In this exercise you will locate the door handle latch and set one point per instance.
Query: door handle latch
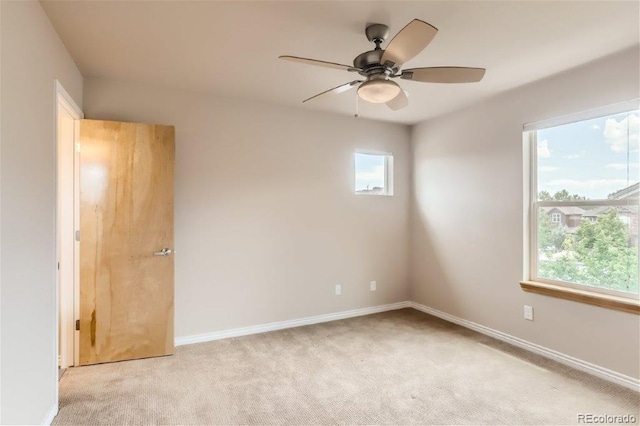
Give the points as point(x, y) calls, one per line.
point(164, 252)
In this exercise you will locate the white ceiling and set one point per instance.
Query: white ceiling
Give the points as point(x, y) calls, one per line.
point(231, 48)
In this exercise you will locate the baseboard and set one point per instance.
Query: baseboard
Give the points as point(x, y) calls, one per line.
point(596, 370)
point(281, 325)
point(587, 367)
point(52, 414)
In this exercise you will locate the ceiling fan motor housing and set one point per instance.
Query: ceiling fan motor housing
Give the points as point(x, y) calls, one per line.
point(369, 62)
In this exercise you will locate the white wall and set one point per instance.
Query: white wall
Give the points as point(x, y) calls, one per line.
point(32, 57)
point(467, 220)
point(266, 219)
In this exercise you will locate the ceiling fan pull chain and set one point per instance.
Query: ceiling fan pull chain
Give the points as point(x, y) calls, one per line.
point(357, 114)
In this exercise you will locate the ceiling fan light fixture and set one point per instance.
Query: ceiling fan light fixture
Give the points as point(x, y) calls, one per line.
point(378, 91)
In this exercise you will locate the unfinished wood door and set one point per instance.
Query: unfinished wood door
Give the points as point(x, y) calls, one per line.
point(126, 221)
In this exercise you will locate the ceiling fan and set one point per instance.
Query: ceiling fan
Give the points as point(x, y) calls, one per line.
point(380, 66)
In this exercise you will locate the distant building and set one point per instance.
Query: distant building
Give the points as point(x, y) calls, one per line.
point(629, 214)
point(571, 217)
point(632, 191)
point(376, 190)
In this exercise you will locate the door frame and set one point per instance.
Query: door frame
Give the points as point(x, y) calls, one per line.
point(62, 99)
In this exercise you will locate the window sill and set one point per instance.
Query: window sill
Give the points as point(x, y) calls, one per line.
point(582, 296)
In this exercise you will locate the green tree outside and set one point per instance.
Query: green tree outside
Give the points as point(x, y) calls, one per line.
point(562, 195)
point(597, 254)
point(550, 236)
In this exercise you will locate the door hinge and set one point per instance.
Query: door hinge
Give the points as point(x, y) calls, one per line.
point(78, 325)
point(58, 266)
point(77, 146)
point(77, 235)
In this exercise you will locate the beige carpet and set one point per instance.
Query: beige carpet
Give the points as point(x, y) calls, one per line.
point(400, 367)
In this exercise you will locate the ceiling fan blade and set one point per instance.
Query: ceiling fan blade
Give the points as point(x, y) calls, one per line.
point(410, 41)
point(318, 63)
point(337, 89)
point(444, 74)
point(399, 101)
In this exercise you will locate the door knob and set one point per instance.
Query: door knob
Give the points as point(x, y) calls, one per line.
point(164, 252)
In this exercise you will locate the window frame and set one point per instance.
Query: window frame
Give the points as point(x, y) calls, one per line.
point(388, 172)
point(556, 215)
point(534, 205)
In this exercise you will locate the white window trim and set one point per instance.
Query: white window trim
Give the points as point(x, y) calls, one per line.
point(618, 108)
point(388, 172)
point(556, 215)
point(533, 206)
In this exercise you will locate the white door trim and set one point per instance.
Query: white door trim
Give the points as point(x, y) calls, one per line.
point(63, 96)
point(62, 99)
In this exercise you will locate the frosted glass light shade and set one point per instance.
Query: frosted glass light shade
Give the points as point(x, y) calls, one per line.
point(378, 91)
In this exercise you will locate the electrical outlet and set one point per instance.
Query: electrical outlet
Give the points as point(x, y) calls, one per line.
point(338, 289)
point(528, 312)
point(372, 285)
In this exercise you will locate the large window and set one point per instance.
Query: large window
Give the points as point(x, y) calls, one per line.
point(584, 201)
point(373, 173)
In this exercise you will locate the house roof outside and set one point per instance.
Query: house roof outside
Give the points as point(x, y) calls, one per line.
point(565, 210)
point(630, 191)
point(597, 211)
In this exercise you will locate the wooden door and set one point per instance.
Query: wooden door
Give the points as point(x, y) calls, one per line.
point(126, 220)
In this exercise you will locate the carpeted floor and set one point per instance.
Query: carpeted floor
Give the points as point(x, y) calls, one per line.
point(399, 367)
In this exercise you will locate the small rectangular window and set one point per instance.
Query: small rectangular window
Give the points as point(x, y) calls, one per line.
point(373, 173)
point(584, 202)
